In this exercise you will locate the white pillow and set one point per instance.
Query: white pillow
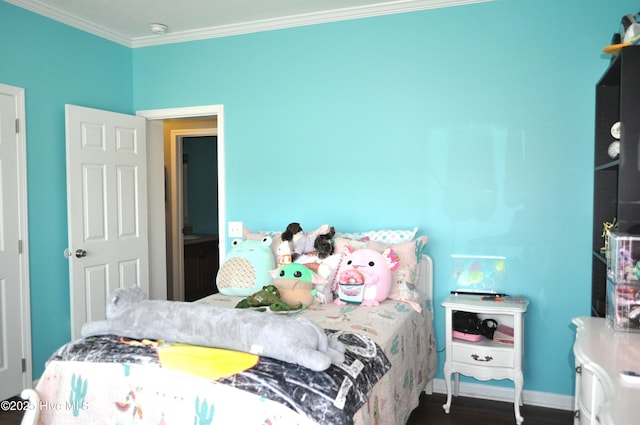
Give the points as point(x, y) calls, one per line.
point(389, 236)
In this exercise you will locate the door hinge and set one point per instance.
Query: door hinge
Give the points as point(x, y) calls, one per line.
point(24, 365)
point(19, 246)
point(17, 125)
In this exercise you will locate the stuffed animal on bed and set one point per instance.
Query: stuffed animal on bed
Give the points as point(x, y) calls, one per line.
point(294, 340)
point(246, 267)
point(283, 253)
point(304, 243)
point(267, 297)
point(365, 277)
point(297, 284)
point(323, 244)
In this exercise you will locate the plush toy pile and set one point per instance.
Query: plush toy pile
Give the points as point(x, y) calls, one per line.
point(325, 266)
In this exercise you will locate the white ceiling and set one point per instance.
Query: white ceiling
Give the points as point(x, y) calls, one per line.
point(127, 21)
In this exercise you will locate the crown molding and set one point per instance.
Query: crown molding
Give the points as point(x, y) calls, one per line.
point(71, 20)
point(388, 8)
point(378, 9)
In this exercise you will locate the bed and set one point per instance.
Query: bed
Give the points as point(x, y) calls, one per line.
point(390, 359)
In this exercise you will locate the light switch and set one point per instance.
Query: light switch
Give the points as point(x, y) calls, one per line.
point(235, 229)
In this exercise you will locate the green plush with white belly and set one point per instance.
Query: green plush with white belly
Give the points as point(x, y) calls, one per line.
point(246, 268)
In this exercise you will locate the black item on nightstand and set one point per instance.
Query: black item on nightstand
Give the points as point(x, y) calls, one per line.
point(470, 323)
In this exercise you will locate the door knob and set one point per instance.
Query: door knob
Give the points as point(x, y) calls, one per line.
point(79, 253)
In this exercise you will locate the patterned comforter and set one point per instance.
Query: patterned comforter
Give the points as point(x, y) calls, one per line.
point(110, 380)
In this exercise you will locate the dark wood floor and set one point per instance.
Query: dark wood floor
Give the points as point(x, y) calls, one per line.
point(10, 417)
point(474, 411)
point(464, 411)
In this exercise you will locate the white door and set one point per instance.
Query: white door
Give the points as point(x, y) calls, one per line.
point(106, 208)
point(15, 334)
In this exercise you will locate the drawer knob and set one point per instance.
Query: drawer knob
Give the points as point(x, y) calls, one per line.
point(479, 359)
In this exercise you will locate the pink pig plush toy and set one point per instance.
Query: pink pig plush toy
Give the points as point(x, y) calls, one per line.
point(365, 277)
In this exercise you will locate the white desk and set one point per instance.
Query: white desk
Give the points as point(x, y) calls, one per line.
point(600, 355)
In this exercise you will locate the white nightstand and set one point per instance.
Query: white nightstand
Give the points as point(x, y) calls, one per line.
point(486, 359)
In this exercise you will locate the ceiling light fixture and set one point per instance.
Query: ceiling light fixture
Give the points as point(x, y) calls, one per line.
point(158, 28)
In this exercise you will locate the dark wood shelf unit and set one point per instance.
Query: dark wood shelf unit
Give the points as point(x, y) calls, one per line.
point(616, 180)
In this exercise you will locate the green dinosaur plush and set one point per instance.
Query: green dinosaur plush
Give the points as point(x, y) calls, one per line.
point(268, 296)
point(283, 306)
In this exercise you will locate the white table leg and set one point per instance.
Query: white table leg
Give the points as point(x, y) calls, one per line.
point(518, 382)
point(447, 382)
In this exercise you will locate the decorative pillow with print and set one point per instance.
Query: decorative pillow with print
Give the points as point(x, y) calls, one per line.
point(389, 236)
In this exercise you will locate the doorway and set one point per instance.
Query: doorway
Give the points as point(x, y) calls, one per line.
point(192, 209)
point(166, 224)
point(200, 216)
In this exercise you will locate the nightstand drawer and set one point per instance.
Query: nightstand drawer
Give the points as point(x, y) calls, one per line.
point(483, 355)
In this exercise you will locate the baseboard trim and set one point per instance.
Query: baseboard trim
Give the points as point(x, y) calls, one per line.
point(491, 392)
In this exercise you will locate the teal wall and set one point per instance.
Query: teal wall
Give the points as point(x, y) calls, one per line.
point(474, 123)
point(56, 65)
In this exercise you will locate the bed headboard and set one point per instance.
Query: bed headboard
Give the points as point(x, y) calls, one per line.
point(425, 280)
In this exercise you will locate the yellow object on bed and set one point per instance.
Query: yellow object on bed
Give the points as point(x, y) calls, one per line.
point(206, 362)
